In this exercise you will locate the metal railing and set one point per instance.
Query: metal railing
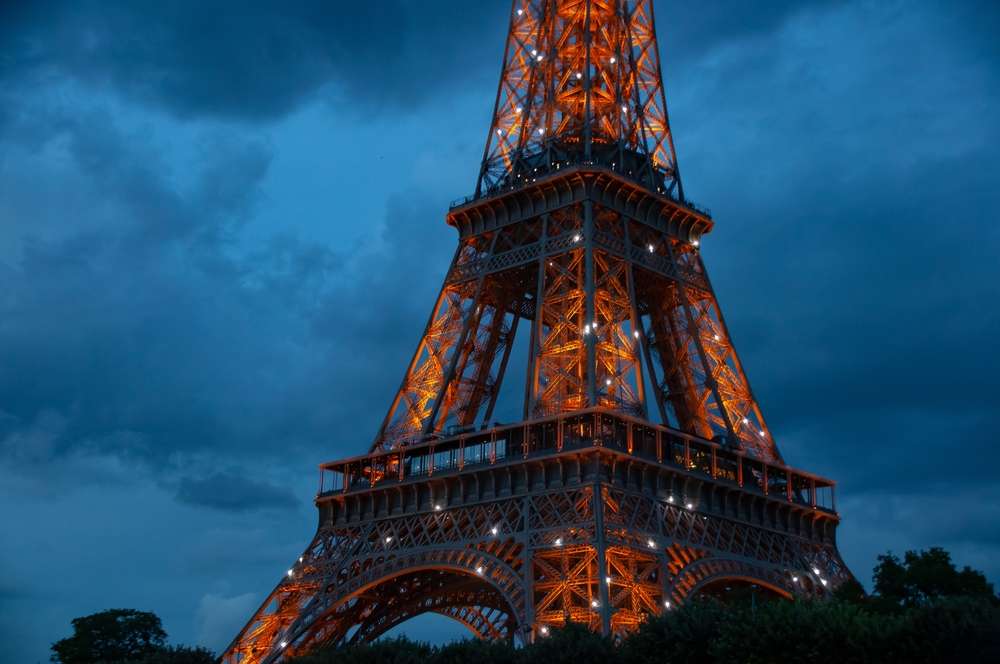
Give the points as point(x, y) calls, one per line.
point(566, 433)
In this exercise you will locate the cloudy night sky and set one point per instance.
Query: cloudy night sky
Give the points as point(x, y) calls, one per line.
point(222, 229)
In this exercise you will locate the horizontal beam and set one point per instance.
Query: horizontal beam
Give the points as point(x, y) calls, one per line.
point(575, 184)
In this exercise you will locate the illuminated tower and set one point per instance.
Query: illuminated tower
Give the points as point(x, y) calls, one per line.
point(642, 471)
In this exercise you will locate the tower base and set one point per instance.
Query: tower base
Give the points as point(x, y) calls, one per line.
point(591, 517)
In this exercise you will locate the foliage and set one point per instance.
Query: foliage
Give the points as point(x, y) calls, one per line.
point(799, 632)
point(389, 651)
point(110, 636)
point(953, 629)
point(851, 592)
point(925, 576)
point(123, 636)
point(573, 644)
point(474, 651)
point(178, 655)
point(682, 636)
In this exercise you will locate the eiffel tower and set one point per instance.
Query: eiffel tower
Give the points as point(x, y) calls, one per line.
point(642, 472)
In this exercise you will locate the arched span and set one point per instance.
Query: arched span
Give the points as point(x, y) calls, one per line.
point(464, 598)
point(706, 571)
point(478, 620)
point(398, 588)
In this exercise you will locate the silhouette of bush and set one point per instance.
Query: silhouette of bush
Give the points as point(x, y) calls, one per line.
point(683, 635)
point(572, 644)
point(390, 651)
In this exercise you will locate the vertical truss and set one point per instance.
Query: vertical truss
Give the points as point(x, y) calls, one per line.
point(566, 586)
point(560, 363)
point(579, 75)
point(738, 408)
point(619, 381)
point(437, 352)
point(697, 378)
point(635, 587)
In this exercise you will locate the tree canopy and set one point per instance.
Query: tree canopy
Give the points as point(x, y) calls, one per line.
point(923, 576)
point(120, 636)
point(111, 636)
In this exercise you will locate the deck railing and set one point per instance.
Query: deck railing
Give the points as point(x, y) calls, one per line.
point(593, 428)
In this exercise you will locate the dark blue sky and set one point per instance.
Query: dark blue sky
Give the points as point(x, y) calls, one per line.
point(221, 231)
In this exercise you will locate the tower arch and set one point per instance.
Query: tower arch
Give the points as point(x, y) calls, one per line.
point(367, 613)
point(702, 574)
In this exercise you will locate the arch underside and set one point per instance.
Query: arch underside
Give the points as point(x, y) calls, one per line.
point(484, 611)
point(367, 615)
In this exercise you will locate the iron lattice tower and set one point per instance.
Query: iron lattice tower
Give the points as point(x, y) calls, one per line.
point(642, 471)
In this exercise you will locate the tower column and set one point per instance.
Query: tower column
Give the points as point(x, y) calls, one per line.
point(601, 545)
point(531, 377)
point(528, 628)
point(449, 374)
point(590, 340)
point(636, 324)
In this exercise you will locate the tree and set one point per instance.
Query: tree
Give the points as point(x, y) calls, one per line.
point(924, 576)
point(178, 655)
point(949, 629)
point(851, 592)
point(389, 651)
point(475, 651)
point(680, 636)
point(571, 644)
point(821, 632)
point(111, 636)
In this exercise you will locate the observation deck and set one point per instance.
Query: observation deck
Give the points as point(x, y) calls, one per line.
point(633, 176)
point(582, 447)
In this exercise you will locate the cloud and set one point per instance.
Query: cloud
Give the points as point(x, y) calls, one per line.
point(852, 260)
point(259, 62)
point(234, 493)
point(35, 442)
